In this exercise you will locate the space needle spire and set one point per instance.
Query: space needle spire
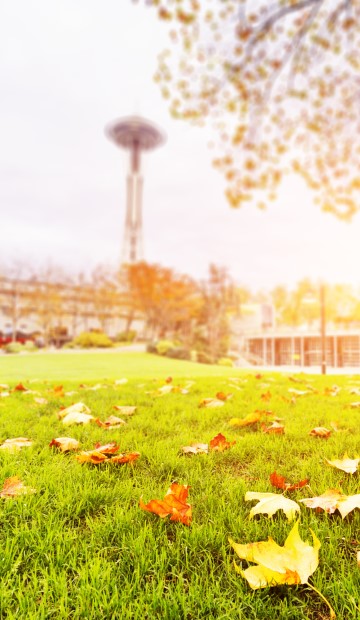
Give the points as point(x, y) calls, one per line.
point(134, 134)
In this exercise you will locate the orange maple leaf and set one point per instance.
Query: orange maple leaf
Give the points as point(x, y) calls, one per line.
point(219, 443)
point(279, 482)
point(125, 458)
point(274, 429)
point(174, 504)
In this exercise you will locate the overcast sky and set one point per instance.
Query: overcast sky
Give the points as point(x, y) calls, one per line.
point(68, 68)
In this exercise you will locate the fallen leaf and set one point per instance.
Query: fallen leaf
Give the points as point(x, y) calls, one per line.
point(125, 458)
point(125, 410)
point(279, 482)
point(174, 504)
point(350, 466)
point(111, 422)
point(269, 503)
point(20, 388)
point(223, 396)
point(219, 443)
point(77, 418)
point(40, 401)
point(299, 392)
point(120, 381)
point(332, 391)
point(355, 405)
point(4, 394)
point(4, 387)
point(109, 448)
point(250, 419)
point(58, 390)
point(92, 456)
point(320, 431)
point(333, 500)
point(168, 380)
point(291, 564)
point(266, 396)
point(13, 445)
point(13, 487)
point(76, 408)
point(65, 444)
point(196, 448)
point(274, 429)
point(211, 402)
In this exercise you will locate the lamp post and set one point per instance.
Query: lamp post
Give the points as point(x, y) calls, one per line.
point(323, 329)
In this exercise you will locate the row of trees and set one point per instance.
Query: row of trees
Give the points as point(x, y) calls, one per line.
point(168, 305)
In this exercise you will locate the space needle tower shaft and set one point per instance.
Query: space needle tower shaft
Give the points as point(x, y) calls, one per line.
point(136, 135)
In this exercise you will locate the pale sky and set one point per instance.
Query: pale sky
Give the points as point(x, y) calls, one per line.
point(68, 68)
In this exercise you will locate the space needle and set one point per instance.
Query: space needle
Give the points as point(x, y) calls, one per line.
point(135, 134)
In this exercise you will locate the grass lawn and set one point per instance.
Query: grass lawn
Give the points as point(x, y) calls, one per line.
point(81, 547)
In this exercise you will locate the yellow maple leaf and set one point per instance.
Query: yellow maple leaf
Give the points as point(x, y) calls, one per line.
point(293, 563)
point(269, 503)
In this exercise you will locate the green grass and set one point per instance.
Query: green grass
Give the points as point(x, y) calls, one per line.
point(81, 547)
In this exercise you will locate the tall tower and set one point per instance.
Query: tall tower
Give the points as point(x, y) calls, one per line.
point(136, 135)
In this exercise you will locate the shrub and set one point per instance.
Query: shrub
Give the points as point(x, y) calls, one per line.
point(203, 358)
point(179, 353)
point(225, 361)
point(87, 340)
point(163, 346)
point(126, 336)
point(14, 347)
point(151, 347)
point(30, 346)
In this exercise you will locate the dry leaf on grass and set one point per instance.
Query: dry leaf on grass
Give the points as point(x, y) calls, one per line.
point(291, 564)
point(65, 444)
point(196, 448)
point(274, 429)
point(210, 403)
point(120, 381)
point(269, 503)
point(13, 487)
point(250, 419)
point(76, 408)
point(299, 392)
point(350, 466)
point(333, 500)
point(111, 422)
point(40, 401)
point(106, 452)
point(355, 405)
point(320, 431)
point(77, 418)
point(219, 443)
point(125, 410)
point(21, 388)
point(223, 396)
point(13, 445)
point(279, 482)
point(174, 504)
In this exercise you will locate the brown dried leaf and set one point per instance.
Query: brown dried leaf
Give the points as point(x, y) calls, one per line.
point(210, 403)
point(13, 445)
point(196, 448)
point(274, 429)
point(125, 410)
point(76, 408)
point(223, 396)
point(320, 431)
point(111, 422)
point(13, 487)
point(65, 444)
point(125, 458)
